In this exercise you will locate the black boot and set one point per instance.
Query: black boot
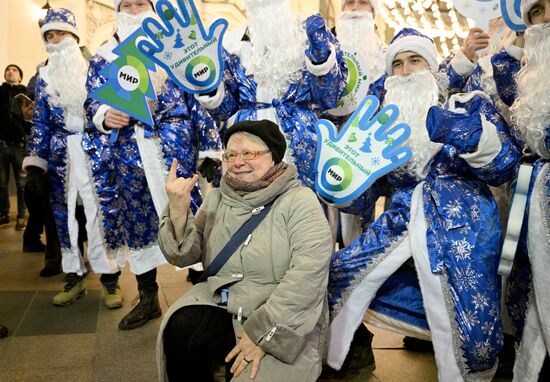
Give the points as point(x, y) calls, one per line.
point(147, 309)
point(360, 357)
point(3, 331)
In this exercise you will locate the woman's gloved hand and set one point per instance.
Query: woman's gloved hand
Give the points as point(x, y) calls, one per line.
point(210, 169)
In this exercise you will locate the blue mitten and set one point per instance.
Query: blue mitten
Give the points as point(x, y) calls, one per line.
point(317, 34)
point(462, 131)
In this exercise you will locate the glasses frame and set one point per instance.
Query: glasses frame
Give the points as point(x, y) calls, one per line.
point(257, 153)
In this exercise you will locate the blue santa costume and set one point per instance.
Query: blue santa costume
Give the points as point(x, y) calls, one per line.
point(55, 146)
point(319, 87)
point(130, 173)
point(528, 299)
point(446, 220)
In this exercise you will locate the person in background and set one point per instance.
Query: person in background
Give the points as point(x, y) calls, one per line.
point(427, 267)
point(129, 172)
point(12, 144)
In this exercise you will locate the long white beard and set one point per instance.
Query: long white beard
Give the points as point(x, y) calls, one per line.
point(356, 29)
point(127, 24)
point(414, 95)
point(66, 73)
point(531, 110)
point(278, 45)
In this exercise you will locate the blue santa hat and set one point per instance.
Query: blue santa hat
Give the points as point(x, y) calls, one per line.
point(409, 39)
point(59, 19)
point(526, 6)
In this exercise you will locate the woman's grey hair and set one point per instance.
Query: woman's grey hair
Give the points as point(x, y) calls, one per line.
point(250, 137)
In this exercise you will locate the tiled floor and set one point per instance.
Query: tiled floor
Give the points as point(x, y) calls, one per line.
point(81, 342)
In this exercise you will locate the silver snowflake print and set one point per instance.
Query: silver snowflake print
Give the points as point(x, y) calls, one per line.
point(483, 350)
point(475, 212)
point(461, 249)
point(480, 301)
point(168, 55)
point(453, 209)
point(466, 279)
point(487, 328)
point(471, 319)
point(375, 161)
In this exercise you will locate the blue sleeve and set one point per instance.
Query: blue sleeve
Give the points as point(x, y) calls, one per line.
point(230, 103)
point(327, 89)
point(504, 68)
point(456, 82)
point(505, 166)
point(94, 81)
point(206, 129)
point(38, 144)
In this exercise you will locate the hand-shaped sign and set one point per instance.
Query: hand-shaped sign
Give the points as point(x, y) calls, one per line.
point(190, 56)
point(481, 11)
point(511, 12)
point(357, 86)
point(367, 148)
point(128, 82)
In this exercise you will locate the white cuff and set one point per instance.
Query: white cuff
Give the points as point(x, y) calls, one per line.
point(36, 162)
point(99, 117)
point(514, 51)
point(462, 64)
point(213, 154)
point(322, 69)
point(488, 147)
point(212, 102)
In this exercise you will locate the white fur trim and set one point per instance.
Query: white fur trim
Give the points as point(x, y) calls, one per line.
point(392, 325)
point(59, 26)
point(488, 148)
point(514, 51)
point(432, 293)
point(462, 64)
point(80, 185)
point(531, 352)
point(212, 102)
point(322, 69)
point(36, 162)
point(351, 313)
point(154, 168)
point(536, 332)
point(213, 154)
point(420, 45)
point(233, 40)
point(146, 259)
point(99, 118)
point(74, 122)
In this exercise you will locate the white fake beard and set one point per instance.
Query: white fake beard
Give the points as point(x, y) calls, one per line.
point(414, 95)
point(356, 29)
point(531, 110)
point(67, 71)
point(278, 45)
point(127, 24)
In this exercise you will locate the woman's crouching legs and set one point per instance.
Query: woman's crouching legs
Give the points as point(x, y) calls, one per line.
point(196, 340)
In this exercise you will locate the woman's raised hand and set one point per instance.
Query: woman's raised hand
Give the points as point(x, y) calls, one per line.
point(179, 191)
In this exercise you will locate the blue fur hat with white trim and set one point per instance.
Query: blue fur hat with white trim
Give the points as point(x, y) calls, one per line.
point(60, 19)
point(411, 40)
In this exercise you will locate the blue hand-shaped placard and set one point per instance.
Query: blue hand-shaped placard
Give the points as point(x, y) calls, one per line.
point(368, 147)
point(511, 13)
point(191, 56)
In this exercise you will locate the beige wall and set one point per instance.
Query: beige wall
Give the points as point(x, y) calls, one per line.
point(20, 41)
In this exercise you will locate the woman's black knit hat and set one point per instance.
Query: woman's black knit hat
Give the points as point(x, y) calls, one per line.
point(266, 130)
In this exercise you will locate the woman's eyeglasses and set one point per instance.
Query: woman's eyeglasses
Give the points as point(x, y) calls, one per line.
point(231, 156)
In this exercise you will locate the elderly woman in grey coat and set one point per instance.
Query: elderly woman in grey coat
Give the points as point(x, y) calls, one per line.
point(264, 312)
